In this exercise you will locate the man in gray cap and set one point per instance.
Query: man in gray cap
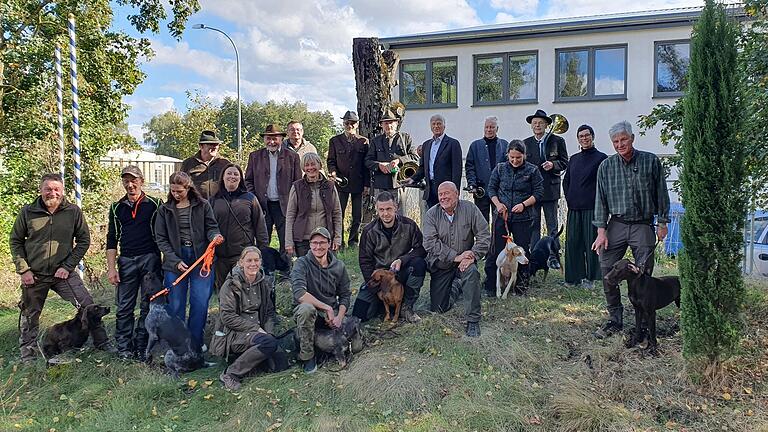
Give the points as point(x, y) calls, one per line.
point(130, 226)
point(320, 290)
point(206, 166)
point(346, 165)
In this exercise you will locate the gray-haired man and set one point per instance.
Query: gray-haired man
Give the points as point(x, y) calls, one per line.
point(631, 190)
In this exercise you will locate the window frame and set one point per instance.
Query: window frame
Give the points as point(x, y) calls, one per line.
point(658, 94)
point(590, 97)
point(428, 82)
point(505, 99)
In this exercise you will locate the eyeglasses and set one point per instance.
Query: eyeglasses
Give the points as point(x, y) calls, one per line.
point(318, 243)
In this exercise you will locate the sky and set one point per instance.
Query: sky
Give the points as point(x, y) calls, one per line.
point(302, 49)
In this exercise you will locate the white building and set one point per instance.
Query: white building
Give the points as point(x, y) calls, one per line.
point(595, 70)
point(156, 168)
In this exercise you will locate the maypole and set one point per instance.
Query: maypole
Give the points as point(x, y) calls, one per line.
point(60, 108)
point(75, 119)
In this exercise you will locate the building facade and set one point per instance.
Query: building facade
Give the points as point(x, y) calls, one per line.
point(157, 169)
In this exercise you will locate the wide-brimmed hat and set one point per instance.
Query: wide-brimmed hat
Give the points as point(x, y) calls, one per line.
point(540, 114)
point(389, 115)
point(132, 170)
point(272, 129)
point(208, 137)
point(323, 231)
point(351, 116)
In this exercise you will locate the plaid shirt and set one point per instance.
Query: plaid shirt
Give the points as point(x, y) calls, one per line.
point(634, 190)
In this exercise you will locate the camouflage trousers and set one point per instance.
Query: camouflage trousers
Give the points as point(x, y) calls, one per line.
point(306, 317)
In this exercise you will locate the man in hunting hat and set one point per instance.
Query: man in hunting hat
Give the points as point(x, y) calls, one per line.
point(346, 161)
point(206, 166)
point(270, 173)
point(389, 151)
point(547, 152)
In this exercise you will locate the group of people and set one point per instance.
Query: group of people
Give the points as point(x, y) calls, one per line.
point(613, 203)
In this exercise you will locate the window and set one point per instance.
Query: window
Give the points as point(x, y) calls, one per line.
point(671, 59)
point(506, 78)
point(592, 73)
point(428, 83)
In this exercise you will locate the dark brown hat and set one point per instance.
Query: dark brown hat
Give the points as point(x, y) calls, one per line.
point(132, 170)
point(208, 137)
point(389, 115)
point(351, 116)
point(272, 129)
point(540, 114)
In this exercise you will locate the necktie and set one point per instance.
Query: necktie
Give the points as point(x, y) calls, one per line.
point(543, 151)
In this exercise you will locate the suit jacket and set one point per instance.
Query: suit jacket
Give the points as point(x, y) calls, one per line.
point(347, 159)
point(402, 148)
point(257, 175)
point(478, 165)
point(447, 164)
point(555, 153)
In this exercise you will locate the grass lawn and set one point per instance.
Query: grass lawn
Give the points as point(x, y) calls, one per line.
point(536, 367)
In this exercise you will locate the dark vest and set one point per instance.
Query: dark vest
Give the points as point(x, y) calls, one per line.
point(304, 204)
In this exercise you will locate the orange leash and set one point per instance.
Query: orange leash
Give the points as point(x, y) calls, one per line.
point(205, 270)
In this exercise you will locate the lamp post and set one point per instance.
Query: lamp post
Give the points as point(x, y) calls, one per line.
point(237, 63)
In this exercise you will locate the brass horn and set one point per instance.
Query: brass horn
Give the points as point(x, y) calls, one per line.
point(559, 124)
point(406, 171)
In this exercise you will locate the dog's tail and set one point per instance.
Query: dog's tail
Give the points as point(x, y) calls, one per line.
point(557, 235)
point(285, 333)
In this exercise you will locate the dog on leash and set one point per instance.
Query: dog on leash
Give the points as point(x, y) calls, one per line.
point(647, 295)
point(384, 284)
point(72, 333)
point(182, 355)
point(340, 343)
point(506, 267)
point(545, 254)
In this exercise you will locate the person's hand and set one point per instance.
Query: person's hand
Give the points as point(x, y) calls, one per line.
point(335, 246)
point(465, 263)
point(27, 278)
point(661, 231)
point(332, 175)
point(182, 266)
point(219, 239)
point(61, 273)
point(420, 151)
point(113, 276)
point(601, 242)
point(336, 321)
point(548, 165)
point(289, 250)
point(395, 266)
point(384, 167)
point(518, 208)
point(329, 315)
point(501, 208)
point(407, 182)
point(395, 162)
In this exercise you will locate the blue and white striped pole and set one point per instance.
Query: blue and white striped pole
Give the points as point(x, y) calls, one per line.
point(60, 108)
point(75, 119)
point(75, 111)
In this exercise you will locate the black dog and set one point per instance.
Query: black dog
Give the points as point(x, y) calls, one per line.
point(272, 260)
point(72, 333)
point(545, 254)
point(341, 343)
point(182, 355)
point(647, 294)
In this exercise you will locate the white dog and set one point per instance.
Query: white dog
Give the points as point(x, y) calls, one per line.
point(506, 267)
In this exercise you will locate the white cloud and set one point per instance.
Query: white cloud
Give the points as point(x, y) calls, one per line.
point(503, 17)
point(137, 131)
point(149, 106)
point(527, 7)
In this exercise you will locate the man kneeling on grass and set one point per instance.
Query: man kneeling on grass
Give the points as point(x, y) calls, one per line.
point(320, 288)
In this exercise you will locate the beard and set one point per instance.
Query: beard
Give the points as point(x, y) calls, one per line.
point(52, 201)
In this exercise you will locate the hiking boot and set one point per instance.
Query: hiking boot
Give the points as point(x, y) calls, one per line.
point(588, 284)
point(609, 329)
point(230, 381)
point(107, 348)
point(310, 366)
point(410, 316)
point(473, 329)
point(125, 355)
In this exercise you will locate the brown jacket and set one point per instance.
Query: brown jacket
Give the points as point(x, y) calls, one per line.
point(347, 159)
point(205, 176)
point(240, 318)
point(257, 175)
point(300, 204)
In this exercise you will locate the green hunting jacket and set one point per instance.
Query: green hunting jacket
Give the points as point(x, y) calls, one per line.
point(42, 241)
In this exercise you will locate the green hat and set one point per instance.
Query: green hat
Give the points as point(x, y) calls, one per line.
point(323, 231)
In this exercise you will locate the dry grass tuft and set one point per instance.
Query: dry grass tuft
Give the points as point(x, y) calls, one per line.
point(578, 409)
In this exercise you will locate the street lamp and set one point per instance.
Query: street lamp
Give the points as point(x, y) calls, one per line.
point(237, 63)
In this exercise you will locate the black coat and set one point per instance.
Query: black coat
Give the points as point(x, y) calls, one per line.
point(555, 153)
point(447, 164)
point(347, 159)
point(379, 151)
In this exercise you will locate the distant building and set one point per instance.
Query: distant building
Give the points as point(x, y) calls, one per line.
point(156, 168)
point(595, 70)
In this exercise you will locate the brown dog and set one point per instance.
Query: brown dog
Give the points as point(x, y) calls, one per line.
point(389, 290)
